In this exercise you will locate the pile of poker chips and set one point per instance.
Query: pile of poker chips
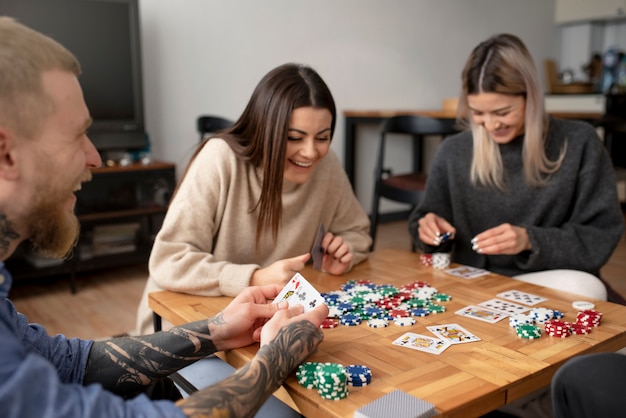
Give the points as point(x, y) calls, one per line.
point(436, 260)
point(332, 379)
point(554, 326)
point(379, 305)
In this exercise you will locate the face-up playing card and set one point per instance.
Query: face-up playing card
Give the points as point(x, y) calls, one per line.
point(482, 314)
point(504, 306)
point(453, 333)
point(299, 291)
point(522, 297)
point(317, 252)
point(467, 272)
point(424, 343)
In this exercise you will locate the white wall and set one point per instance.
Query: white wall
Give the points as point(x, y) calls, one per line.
point(206, 56)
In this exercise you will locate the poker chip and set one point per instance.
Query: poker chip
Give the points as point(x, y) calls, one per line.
point(346, 307)
point(306, 374)
point(350, 319)
point(331, 298)
point(557, 328)
point(377, 323)
point(358, 375)
point(420, 312)
point(528, 331)
point(435, 309)
point(579, 329)
point(582, 305)
point(541, 315)
point(331, 381)
point(329, 323)
point(442, 297)
point(334, 312)
point(415, 285)
point(441, 260)
point(589, 317)
point(404, 321)
point(373, 311)
point(398, 313)
point(521, 319)
point(426, 259)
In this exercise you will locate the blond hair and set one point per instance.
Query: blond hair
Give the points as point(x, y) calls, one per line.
point(25, 55)
point(502, 64)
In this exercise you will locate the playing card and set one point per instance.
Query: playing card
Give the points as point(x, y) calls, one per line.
point(504, 306)
point(299, 291)
point(482, 314)
point(453, 333)
point(522, 297)
point(467, 272)
point(317, 252)
point(424, 343)
point(397, 404)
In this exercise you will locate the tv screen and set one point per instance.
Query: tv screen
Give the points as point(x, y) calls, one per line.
point(104, 36)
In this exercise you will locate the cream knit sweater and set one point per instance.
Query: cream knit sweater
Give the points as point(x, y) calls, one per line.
point(206, 245)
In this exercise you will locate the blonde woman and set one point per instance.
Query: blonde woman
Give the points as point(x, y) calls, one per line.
point(520, 193)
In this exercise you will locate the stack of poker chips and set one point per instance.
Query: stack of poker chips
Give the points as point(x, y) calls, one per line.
point(558, 328)
point(528, 331)
point(589, 318)
point(358, 375)
point(553, 323)
point(379, 305)
point(436, 260)
point(332, 379)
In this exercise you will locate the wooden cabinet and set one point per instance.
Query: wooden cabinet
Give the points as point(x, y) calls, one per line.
point(569, 11)
point(120, 211)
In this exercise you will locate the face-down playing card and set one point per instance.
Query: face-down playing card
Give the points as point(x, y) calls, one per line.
point(317, 251)
point(299, 291)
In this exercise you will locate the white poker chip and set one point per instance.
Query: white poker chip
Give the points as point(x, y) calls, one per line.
point(377, 323)
point(582, 305)
point(441, 260)
point(404, 321)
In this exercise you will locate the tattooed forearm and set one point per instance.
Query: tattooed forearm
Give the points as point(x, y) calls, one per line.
point(243, 393)
point(126, 365)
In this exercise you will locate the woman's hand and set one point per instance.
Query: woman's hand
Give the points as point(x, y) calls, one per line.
point(503, 239)
point(279, 272)
point(434, 230)
point(337, 256)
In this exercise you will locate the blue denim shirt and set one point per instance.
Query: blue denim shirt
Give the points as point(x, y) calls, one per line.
point(41, 376)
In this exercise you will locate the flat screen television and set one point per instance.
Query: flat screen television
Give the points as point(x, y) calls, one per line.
point(104, 36)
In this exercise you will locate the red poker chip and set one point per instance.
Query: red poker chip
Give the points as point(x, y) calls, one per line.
point(399, 313)
point(329, 323)
point(579, 328)
point(426, 259)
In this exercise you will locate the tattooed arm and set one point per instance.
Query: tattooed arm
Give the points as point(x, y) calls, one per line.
point(126, 365)
point(244, 392)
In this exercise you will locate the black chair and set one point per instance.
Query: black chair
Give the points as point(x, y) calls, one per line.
point(208, 124)
point(407, 187)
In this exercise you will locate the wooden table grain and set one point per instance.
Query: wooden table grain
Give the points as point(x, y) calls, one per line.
point(466, 379)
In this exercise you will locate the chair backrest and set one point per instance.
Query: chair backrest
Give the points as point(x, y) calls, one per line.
point(418, 125)
point(208, 124)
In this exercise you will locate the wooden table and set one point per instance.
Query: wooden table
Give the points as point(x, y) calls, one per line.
point(354, 118)
point(465, 380)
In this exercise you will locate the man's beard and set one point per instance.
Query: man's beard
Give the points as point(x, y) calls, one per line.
point(53, 228)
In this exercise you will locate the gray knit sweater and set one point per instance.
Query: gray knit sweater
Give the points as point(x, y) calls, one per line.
point(573, 222)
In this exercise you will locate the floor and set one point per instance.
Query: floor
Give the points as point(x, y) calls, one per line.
point(106, 302)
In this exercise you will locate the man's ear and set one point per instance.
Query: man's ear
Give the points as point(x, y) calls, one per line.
point(8, 164)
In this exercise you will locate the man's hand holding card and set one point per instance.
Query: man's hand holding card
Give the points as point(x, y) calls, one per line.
point(299, 291)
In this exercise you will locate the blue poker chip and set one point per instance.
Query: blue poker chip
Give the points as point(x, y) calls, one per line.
point(373, 311)
point(346, 307)
point(330, 298)
point(350, 319)
point(421, 312)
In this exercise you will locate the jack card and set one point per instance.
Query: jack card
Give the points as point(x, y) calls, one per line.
point(453, 333)
point(299, 291)
point(504, 306)
point(467, 272)
point(317, 252)
point(432, 345)
point(482, 314)
point(522, 297)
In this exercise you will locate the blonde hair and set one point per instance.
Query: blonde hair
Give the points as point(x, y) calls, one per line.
point(502, 64)
point(25, 55)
